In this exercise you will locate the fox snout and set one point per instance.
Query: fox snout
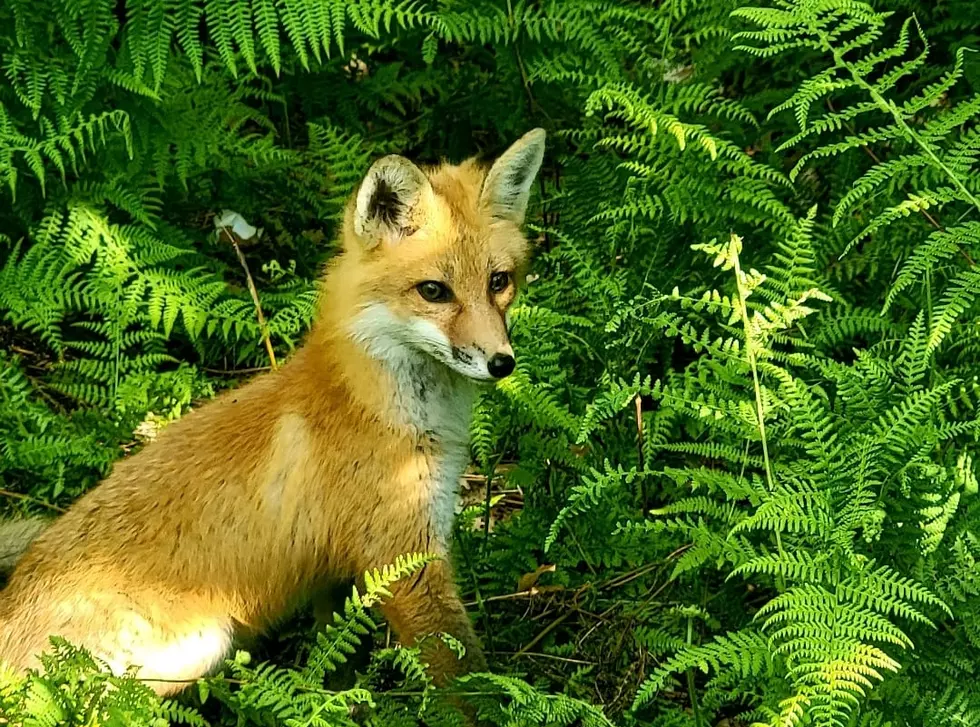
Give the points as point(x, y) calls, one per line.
point(501, 365)
point(498, 365)
point(486, 354)
point(479, 342)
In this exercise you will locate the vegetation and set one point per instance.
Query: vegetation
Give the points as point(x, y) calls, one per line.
point(733, 480)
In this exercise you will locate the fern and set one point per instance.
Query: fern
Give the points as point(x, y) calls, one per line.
point(587, 495)
point(72, 685)
point(749, 487)
point(341, 638)
point(939, 150)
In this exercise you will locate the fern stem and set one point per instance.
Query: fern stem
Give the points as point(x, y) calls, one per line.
point(640, 453)
point(533, 105)
point(736, 243)
point(750, 355)
point(924, 212)
point(890, 108)
point(927, 284)
point(489, 474)
point(691, 686)
point(116, 358)
point(480, 602)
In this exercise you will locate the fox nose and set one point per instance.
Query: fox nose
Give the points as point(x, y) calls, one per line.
point(500, 365)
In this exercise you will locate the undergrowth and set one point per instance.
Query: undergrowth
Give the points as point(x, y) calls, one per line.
point(733, 478)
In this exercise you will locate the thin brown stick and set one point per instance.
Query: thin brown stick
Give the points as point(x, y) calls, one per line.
point(530, 593)
point(540, 655)
point(236, 372)
point(625, 578)
point(255, 299)
point(28, 498)
point(621, 580)
point(544, 632)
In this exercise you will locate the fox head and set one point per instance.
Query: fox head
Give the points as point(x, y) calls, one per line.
point(433, 258)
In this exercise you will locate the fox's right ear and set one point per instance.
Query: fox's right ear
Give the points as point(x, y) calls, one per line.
point(392, 202)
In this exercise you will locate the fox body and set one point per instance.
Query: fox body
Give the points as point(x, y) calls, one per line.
point(347, 457)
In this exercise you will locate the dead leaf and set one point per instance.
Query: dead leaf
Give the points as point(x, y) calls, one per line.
point(529, 580)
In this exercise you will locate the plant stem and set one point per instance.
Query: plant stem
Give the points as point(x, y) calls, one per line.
point(750, 355)
point(691, 688)
point(891, 109)
point(255, 299)
point(28, 498)
point(640, 454)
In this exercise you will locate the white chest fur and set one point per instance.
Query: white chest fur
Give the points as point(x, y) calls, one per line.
point(433, 401)
point(437, 404)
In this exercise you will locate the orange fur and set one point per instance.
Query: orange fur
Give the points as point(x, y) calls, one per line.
point(337, 463)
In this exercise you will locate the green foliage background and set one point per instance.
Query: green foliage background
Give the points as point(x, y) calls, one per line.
point(744, 420)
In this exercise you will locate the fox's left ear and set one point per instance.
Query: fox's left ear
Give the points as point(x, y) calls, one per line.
point(508, 183)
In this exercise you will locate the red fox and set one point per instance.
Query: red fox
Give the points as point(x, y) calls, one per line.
point(347, 457)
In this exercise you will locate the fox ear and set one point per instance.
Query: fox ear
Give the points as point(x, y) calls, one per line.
point(508, 183)
point(392, 202)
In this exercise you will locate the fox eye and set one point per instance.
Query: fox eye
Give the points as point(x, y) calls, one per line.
point(499, 282)
point(434, 291)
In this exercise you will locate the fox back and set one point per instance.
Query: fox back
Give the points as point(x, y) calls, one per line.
point(347, 457)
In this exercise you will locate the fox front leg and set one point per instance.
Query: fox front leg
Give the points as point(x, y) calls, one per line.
point(428, 604)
